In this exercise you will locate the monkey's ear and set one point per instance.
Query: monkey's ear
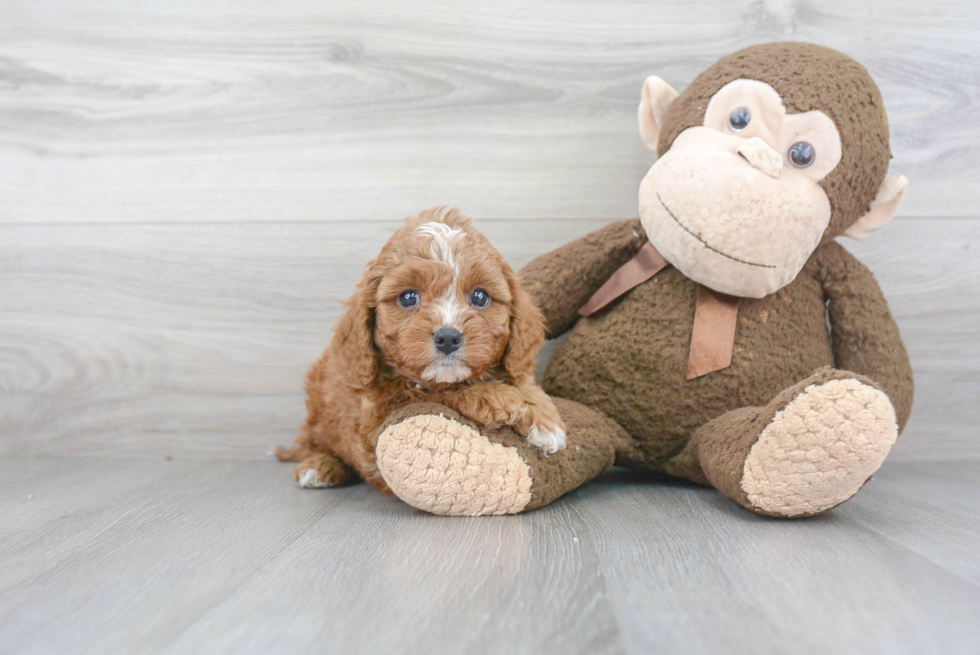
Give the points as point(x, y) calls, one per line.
point(657, 98)
point(883, 207)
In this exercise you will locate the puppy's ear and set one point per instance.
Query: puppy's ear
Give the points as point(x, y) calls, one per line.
point(526, 333)
point(354, 336)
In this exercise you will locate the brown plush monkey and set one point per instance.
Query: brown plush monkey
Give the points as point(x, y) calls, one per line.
point(726, 337)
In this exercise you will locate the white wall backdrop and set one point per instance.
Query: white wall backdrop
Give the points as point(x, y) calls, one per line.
point(188, 188)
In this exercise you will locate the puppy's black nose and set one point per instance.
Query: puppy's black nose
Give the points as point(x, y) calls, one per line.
point(447, 340)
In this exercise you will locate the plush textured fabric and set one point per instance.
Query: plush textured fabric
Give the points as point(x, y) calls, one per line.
point(722, 221)
point(592, 443)
point(644, 265)
point(864, 335)
point(719, 452)
point(442, 466)
point(629, 360)
point(583, 267)
point(820, 449)
point(807, 77)
point(439, 461)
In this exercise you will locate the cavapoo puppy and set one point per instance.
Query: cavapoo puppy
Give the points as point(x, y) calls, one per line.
point(440, 317)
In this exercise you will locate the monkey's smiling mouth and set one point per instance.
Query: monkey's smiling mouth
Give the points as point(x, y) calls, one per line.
point(705, 243)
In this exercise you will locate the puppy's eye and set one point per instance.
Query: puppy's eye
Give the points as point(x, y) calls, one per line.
point(409, 298)
point(479, 298)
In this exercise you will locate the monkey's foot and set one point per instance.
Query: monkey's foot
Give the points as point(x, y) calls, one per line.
point(442, 466)
point(820, 449)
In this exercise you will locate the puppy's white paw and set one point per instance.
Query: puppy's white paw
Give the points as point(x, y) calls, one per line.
point(310, 479)
point(547, 441)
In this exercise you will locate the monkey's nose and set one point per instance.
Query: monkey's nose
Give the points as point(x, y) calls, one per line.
point(448, 340)
point(758, 153)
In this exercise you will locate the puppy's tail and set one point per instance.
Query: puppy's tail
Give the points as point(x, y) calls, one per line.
point(295, 454)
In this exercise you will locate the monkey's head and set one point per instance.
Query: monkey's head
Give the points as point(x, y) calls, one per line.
point(768, 153)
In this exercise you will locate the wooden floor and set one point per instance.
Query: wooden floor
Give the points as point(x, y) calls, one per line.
point(215, 556)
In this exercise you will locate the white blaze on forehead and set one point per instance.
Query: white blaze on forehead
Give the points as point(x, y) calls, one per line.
point(443, 249)
point(444, 241)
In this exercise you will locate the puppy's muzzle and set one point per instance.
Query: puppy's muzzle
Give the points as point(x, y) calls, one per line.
point(447, 340)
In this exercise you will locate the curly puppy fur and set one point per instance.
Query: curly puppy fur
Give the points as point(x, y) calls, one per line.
point(384, 355)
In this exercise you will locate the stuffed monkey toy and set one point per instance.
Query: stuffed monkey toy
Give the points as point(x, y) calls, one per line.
point(724, 336)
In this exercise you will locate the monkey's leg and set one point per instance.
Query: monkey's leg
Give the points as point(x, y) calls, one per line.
point(810, 449)
point(436, 460)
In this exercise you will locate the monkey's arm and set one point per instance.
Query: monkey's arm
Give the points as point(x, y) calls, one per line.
point(562, 280)
point(864, 334)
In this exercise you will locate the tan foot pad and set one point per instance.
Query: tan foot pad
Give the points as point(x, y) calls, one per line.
point(820, 449)
point(439, 465)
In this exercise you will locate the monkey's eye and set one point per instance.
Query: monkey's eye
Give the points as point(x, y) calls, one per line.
point(801, 154)
point(739, 119)
point(479, 298)
point(408, 298)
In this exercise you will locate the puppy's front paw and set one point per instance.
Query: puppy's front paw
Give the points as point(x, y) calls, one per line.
point(547, 441)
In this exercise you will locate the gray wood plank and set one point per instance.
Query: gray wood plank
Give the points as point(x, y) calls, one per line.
point(161, 567)
point(194, 339)
point(915, 503)
point(229, 556)
point(34, 491)
point(374, 578)
point(133, 569)
point(121, 111)
point(691, 572)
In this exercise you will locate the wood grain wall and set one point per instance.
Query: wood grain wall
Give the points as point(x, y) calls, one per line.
point(187, 189)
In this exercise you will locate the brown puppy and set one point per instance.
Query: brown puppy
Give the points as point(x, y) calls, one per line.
point(441, 317)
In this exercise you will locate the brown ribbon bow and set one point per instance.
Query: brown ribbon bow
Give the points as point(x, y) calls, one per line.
point(715, 317)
